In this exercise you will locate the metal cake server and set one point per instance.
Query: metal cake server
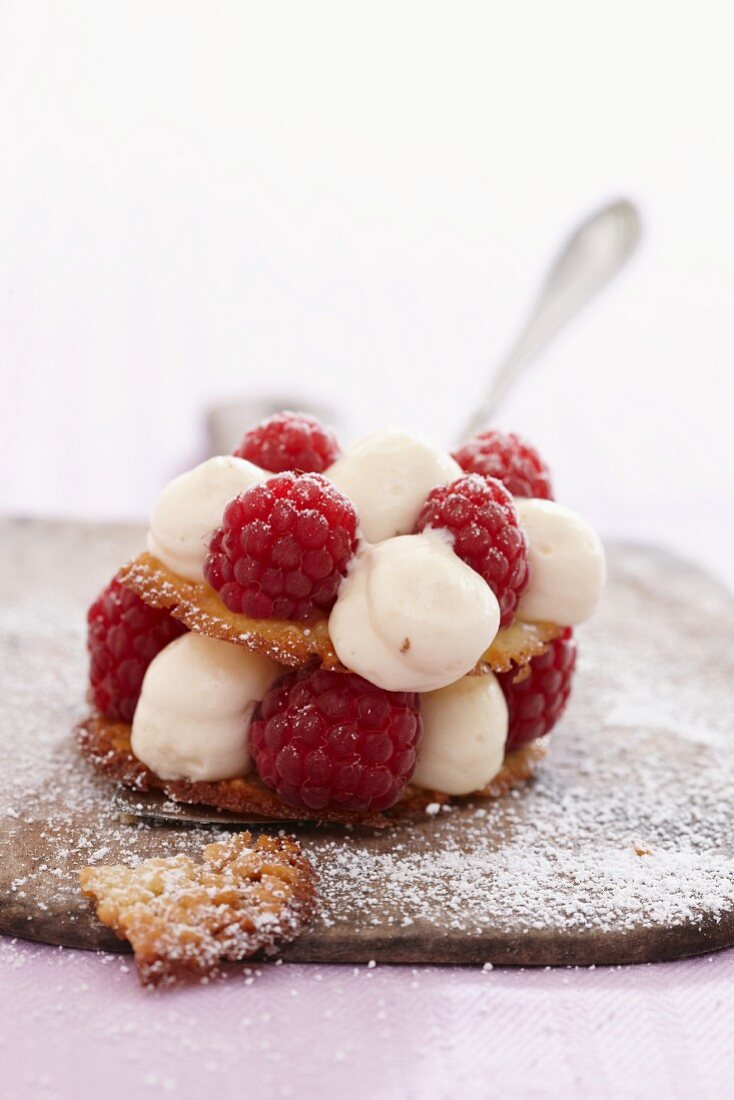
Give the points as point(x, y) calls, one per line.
point(156, 806)
point(592, 255)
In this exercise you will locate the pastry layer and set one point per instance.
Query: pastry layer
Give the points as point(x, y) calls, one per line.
point(199, 608)
point(183, 918)
point(107, 746)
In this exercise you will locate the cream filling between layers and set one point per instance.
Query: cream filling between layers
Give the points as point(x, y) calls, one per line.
point(193, 716)
point(464, 734)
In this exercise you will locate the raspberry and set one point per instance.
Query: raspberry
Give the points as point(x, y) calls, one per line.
point(537, 700)
point(283, 548)
point(290, 441)
point(333, 739)
point(123, 637)
point(507, 457)
point(481, 516)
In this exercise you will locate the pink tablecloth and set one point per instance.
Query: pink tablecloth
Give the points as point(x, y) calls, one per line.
point(78, 1025)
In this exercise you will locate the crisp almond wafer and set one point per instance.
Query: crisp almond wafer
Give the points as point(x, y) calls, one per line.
point(199, 608)
point(107, 746)
point(183, 918)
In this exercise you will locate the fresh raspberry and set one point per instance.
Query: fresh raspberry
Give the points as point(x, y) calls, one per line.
point(283, 548)
point(123, 637)
point(333, 739)
point(480, 514)
point(537, 699)
point(290, 441)
point(507, 457)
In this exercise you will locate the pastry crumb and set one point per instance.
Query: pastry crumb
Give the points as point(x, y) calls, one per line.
point(183, 918)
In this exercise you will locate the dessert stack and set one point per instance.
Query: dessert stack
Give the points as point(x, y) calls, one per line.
point(320, 635)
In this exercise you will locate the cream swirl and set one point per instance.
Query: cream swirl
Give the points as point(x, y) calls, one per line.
point(566, 562)
point(464, 734)
point(191, 506)
point(195, 707)
point(411, 616)
point(388, 476)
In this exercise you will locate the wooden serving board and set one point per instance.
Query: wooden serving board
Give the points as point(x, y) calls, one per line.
point(621, 850)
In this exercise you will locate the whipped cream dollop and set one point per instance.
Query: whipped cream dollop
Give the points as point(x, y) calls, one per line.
point(566, 561)
point(191, 507)
point(388, 476)
point(464, 734)
point(411, 615)
point(193, 716)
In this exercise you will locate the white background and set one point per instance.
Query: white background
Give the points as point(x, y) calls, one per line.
point(355, 202)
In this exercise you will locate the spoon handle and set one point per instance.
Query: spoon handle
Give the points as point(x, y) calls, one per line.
point(591, 256)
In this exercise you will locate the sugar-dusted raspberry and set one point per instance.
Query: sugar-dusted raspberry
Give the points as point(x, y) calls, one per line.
point(508, 458)
point(123, 637)
point(333, 739)
point(283, 548)
point(480, 515)
point(290, 441)
point(537, 695)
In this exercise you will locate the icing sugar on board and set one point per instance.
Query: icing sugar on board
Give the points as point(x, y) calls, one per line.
point(621, 851)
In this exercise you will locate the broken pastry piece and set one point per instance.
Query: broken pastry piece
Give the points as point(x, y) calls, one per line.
point(365, 632)
point(184, 918)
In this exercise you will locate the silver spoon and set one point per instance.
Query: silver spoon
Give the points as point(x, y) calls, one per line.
point(590, 258)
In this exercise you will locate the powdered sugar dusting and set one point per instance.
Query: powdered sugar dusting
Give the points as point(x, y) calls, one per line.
point(626, 829)
point(628, 824)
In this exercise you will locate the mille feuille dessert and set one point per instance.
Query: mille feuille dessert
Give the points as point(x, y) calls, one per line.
point(327, 636)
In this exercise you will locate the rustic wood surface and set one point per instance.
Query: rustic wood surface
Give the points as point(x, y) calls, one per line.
point(621, 851)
